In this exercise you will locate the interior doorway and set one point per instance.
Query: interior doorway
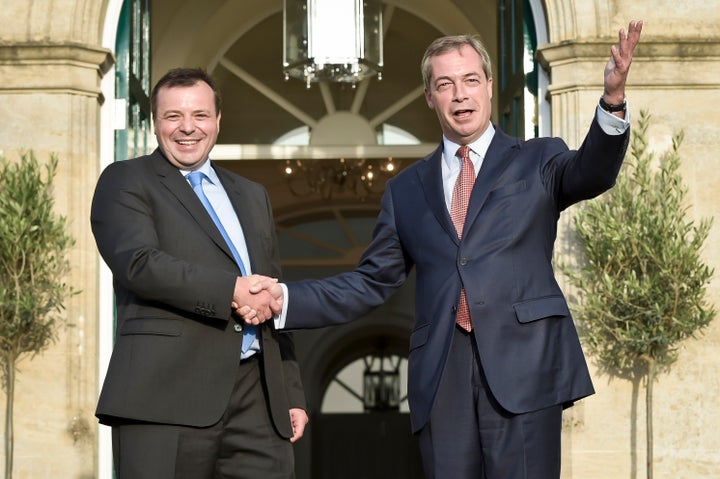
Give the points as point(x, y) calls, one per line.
point(365, 446)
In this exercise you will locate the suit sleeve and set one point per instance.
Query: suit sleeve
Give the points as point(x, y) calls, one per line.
point(291, 371)
point(574, 176)
point(382, 269)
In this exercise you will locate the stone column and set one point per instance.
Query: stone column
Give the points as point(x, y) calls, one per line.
point(50, 102)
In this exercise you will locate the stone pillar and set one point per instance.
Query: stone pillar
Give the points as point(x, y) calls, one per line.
point(676, 80)
point(50, 102)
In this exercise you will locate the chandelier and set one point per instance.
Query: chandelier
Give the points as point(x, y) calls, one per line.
point(358, 178)
point(332, 40)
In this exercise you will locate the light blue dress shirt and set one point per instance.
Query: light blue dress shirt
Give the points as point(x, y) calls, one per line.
point(220, 202)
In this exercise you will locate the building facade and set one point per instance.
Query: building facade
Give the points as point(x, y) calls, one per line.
point(74, 80)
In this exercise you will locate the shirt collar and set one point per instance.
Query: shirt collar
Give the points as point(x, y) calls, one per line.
point(207, 169)
point(479, 146)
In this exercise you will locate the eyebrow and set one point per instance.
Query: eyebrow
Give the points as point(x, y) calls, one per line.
point(463, 77)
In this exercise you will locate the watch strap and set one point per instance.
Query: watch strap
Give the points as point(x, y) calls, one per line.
point(612, 108)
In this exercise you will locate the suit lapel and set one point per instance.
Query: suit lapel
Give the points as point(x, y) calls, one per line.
point(496, 160)
point(430, 173)
point(240, 198)
point(171, 178)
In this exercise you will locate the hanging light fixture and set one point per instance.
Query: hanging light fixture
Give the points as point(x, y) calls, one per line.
point(381, 383)
point(332, 40)
point(360, 178)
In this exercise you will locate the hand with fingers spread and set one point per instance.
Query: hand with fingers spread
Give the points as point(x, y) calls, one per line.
point(618, 66)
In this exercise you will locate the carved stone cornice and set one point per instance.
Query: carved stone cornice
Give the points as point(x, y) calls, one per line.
point(692, 64)
point(695, 50)
point(53, 68)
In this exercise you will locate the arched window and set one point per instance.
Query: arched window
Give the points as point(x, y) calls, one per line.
point(375, 382)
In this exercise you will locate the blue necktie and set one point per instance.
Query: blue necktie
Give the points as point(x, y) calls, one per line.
point(195, 179)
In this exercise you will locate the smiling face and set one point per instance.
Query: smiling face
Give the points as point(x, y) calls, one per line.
point(186, 124)
point(460, 94)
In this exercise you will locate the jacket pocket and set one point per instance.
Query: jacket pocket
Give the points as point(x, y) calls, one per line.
point(419, 337)
point(156, 326)
point(540, 308)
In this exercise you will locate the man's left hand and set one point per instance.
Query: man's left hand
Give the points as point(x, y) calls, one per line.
point(618, 66)
point(298, 419)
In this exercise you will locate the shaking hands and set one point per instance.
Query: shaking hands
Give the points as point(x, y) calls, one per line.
point(257, 298)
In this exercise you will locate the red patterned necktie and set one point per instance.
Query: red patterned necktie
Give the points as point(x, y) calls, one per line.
point(458, 211)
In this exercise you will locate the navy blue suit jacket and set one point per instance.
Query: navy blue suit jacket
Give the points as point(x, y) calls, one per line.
point(528, 344)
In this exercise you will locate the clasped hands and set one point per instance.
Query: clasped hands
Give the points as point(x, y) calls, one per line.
point(257, 298)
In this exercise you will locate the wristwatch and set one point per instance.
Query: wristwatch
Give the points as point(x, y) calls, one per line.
point(612, 108)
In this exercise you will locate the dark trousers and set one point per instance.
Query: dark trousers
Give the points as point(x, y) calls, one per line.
point(242, 445)
point(469, 436)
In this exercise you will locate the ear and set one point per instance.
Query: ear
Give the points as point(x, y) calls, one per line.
point(429, 99)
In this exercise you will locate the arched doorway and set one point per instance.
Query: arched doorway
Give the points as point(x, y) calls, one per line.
point(220, 38)
point(339, 364)
point(367, 398)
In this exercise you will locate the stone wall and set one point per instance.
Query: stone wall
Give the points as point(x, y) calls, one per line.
point(674, 77)
point(50, 100)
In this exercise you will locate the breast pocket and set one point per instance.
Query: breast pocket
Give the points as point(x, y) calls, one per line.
point(500, 213)
point(507, 190)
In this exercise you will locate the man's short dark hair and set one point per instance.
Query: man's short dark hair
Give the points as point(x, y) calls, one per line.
point(184, 77)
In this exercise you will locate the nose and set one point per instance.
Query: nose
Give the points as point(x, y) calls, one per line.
point(187, 125)
point(459, 92)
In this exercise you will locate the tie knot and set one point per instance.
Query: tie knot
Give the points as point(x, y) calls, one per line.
point(195, 178)
point(464, 152)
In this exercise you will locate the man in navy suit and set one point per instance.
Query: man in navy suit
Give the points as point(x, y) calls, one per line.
point(486, 396)
point(186, 396)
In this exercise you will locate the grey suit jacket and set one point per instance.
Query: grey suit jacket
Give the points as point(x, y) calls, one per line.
point(176, 350)
point(528, 345)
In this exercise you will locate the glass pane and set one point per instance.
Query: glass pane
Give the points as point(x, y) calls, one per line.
point(373, 42)
point(295, 31)
point(332, 32)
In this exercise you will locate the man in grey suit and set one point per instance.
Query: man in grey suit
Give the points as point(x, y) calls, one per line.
point(184, 396)
point(494, 354)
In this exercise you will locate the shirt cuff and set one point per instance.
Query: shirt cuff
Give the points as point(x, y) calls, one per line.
point(611, 124)
point(281, 318)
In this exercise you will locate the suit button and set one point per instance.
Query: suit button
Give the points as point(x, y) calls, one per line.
point(238, 327)
point(463, 261)
point(454, 309)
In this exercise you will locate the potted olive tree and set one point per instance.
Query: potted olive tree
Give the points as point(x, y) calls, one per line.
point(33, 246)
point(641, 283)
